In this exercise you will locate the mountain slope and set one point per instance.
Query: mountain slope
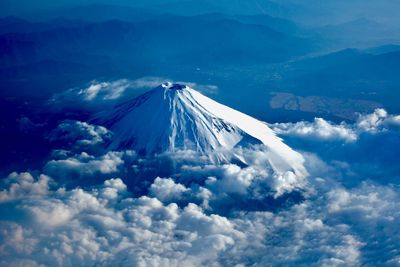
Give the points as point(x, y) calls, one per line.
point(175, 117)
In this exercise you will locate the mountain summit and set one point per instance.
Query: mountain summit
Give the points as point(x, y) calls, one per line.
point(174, 117)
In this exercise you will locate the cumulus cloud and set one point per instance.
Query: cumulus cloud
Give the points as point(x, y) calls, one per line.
point(249, 167)
point(319, 128)
point(23, 185)
point(96, 227)
point(322, 129)
point(105, 225)
point(80, 136)
point(363, 150)
point(96, 94)
point(83, 165)
point(203, 182)
point(118, 208)
point(166, 189)
point(254, 185)
point(379, 120)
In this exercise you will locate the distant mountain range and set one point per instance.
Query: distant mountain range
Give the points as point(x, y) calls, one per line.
point(37, 51)
point(361, 33)
point(241, 52)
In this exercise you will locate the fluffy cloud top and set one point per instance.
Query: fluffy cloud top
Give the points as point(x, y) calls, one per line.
point(177, 209)
point(377, 121)
point(167, 190)
point(105, 225)
point(80, 135)
point(83, 166)
point(367, 150)
point(320, 128)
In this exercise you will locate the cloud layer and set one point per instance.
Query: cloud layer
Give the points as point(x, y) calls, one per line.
point(106, 226)
point(87, 206)
point(378, 121)
point(364, 150)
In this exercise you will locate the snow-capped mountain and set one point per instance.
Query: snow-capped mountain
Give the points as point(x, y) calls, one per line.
point(175, 117)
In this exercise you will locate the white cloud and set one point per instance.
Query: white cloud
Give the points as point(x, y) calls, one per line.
point(321, 129)
point(379, 120)
point(112, 90)
point(166, 189)
point(83, 164)
point(371, 122)
point(204, 214)
point(23, 185)
point(369, 153)
point(80, 135)
point(243, 179)
point(105, 225)
point(96, 94)
point(86, 228)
